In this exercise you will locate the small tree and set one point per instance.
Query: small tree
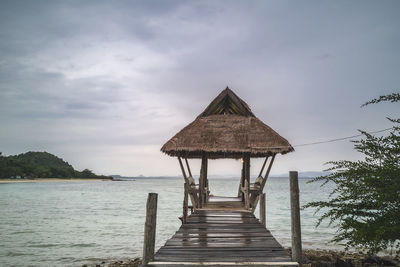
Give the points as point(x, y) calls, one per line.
point(365, 202)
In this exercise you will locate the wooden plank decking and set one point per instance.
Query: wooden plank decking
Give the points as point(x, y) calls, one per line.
point(222, 238)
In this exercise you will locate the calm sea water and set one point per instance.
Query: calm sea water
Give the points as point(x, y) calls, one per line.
point(75, 223)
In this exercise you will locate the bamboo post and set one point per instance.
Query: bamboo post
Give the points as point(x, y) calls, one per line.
point(295, 217)
point(150, 228)
point(262, 209)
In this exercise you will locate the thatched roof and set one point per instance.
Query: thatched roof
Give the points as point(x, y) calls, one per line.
point(226, 129)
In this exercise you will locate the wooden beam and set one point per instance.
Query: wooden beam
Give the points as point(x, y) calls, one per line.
point(246, 195)
point(207, 188)
point(203, 179)
point(295, 216)
point(150, 229)
point(183, 170)
point(241, 184)
point(267, 173)
point(187, 165)
point(186, 185)
point(247, 172)
point(262, 168)
point(262, 209)
point(253, 199)
point(185, 204)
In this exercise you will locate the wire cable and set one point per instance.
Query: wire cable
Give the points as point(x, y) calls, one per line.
point(342, 138)
point(334, 140)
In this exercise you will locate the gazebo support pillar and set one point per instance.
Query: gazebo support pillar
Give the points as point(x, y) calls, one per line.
point(203, 180)
point(246, 182)
point(241, 184)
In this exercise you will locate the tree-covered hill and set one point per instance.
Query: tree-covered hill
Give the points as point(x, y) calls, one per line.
point(40, 165)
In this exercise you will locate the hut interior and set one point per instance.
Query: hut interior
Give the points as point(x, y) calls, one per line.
point(227, 128)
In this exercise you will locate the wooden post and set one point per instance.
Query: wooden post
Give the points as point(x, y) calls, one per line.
point(203, 180)
point(241, 184)
point(247, 176)
point(185, 204)
point(262, 209)
point(247, 169)
point(246, 195)
point(206, 185)
point(295, 217)
point(248, 180)
point(150, 229)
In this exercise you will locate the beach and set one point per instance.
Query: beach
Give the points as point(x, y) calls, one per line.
point(43, 180)
point(311, 258)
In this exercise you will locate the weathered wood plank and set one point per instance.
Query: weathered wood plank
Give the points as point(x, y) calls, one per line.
point(222, 219)
point(221, 226)
point(200, 250)
point(228, 237)
point(221, 235)
point(221, 255)
point(222, 230)
point(224, 264)
point(226, 259)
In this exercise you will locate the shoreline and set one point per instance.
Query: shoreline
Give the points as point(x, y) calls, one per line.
point(40, 180)
point(310, 258)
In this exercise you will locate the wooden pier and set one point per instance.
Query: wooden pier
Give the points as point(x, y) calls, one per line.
point(222, 238)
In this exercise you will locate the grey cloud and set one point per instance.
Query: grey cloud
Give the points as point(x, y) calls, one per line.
point(108, 74)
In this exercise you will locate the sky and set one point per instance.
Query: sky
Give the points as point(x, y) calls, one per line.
point(104, 84)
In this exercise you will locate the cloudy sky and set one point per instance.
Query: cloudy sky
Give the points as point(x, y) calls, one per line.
point(104, 84)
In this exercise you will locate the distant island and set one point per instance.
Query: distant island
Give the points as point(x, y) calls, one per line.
point(40, 165)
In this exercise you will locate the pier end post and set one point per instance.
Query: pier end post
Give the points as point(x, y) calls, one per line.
point(295, 217)
point(150, 229)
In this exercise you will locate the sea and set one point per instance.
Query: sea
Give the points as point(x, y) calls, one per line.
point(89, 222)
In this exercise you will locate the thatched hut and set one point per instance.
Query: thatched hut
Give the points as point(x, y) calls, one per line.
point(227, 128)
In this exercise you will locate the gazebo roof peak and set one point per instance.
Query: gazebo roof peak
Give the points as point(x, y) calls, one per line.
point(227, 102)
